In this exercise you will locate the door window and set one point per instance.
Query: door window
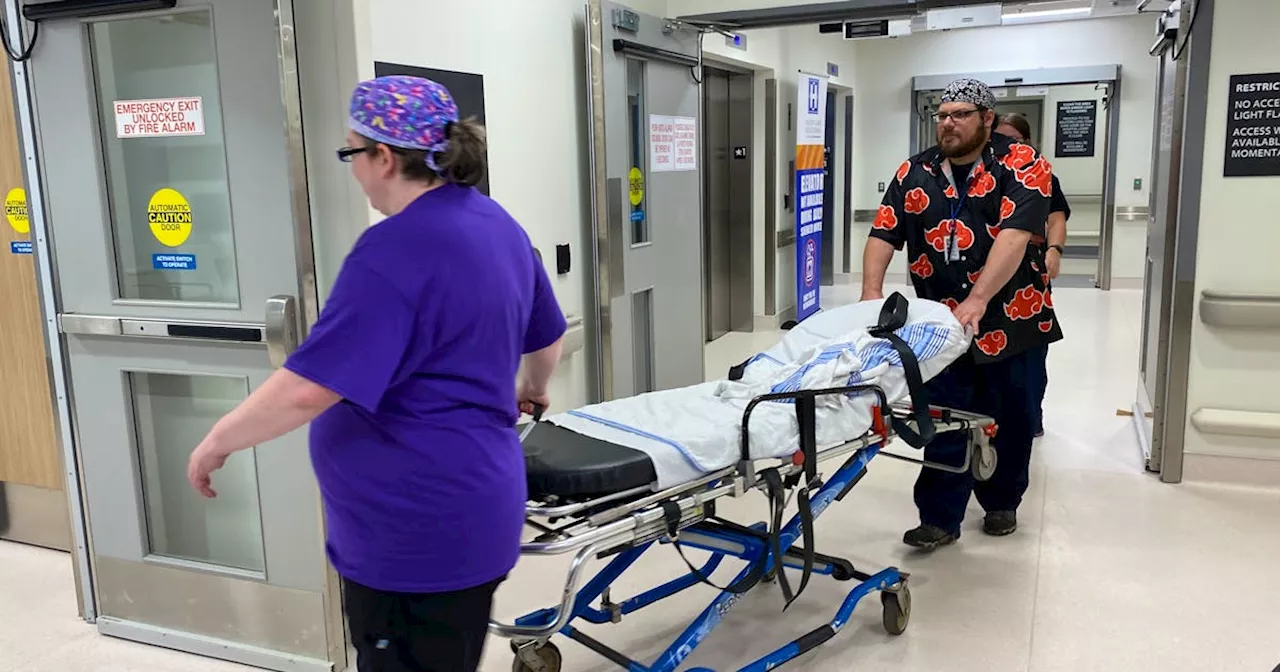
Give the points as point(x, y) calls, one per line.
point(171, 414)
point(166, 167)
point(638, 173)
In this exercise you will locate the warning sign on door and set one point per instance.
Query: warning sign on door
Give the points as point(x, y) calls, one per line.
point(673, 143)
point(169, 216)
point(686, 146)
point(159, 118)
point(662, 151)
point(15, 210)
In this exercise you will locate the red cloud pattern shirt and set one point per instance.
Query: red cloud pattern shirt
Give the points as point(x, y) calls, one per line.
point(1009, 188)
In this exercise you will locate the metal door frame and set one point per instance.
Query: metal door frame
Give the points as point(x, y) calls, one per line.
point(50, 303)
point(1087, 74)
point(1170, 421)
point(605, 280)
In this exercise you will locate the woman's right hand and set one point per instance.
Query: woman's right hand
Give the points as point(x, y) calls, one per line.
point(527, 396)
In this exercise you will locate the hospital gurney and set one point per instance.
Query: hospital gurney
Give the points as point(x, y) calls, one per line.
point(595, 498)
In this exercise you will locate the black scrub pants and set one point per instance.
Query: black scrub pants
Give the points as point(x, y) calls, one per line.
point(1006, 390)
point(418, 632)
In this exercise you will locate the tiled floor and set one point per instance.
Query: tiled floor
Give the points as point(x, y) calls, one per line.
point(1110, 569)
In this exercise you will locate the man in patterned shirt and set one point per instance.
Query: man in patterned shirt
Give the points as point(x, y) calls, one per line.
point(966, 210)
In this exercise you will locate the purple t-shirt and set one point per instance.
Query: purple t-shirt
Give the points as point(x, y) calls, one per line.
point(420, 468)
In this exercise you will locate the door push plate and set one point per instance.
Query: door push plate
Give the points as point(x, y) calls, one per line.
point(282, 328)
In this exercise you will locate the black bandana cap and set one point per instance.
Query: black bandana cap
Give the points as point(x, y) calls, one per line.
point(970, 91)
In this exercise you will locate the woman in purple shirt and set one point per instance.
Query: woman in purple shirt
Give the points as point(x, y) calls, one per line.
point(409, 381)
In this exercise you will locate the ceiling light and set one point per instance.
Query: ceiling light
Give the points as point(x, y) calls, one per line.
point(1044, 15)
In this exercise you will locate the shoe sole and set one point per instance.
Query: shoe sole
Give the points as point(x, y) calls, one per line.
point(931, 545)
point(1000, 533)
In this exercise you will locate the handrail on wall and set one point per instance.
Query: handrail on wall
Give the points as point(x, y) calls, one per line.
point(1240, 310)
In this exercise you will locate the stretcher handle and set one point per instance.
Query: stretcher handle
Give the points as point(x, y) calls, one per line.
point(538, 410)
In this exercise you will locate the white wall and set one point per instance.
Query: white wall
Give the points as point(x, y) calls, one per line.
point(882, 114)
point(1236, 252)
point(537, 162)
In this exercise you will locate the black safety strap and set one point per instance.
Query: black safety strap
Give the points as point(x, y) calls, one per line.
point(893, 316)
point(777, 505)
point(671, 514)
point(806, 419)
point(737, 372)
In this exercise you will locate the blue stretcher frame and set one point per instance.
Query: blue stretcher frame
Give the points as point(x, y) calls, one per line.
point(753, 548)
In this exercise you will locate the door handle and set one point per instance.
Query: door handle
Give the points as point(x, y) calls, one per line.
point(281, 328)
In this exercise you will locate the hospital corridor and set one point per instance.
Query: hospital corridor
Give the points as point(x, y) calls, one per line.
point(1111, 570)
point(645, 335)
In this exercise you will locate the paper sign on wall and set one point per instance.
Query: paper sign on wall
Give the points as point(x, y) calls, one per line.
point(160, 117)
point(673, 143)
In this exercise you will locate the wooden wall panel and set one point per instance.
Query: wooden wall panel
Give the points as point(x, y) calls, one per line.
point(28, 447)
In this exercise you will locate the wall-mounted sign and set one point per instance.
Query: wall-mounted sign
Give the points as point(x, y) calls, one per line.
point(159, 118)
point(1253, 126)
point(1077, 128)
point(810, 182)
point(673, 143)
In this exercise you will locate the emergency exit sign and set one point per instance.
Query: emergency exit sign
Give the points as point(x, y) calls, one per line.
point(159, 118)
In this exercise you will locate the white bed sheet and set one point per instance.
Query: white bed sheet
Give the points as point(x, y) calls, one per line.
point(691, 431)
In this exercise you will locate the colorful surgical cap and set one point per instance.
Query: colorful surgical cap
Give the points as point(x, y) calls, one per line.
point(969, 91)
point(405, 112)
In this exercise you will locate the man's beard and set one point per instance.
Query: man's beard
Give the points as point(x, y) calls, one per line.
point(964, 146)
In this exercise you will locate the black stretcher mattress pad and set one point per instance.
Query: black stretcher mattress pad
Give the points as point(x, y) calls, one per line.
point(567, 464)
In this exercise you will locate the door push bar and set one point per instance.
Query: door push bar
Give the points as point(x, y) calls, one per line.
point(279, 333)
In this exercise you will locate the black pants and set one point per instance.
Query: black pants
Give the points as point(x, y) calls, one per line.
point(1007, 391)
point(418, 632)
point(1041, 387)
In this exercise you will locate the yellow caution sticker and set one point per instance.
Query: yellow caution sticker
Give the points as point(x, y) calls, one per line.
point(169, 215)
point(635, 180)
point(15, 210)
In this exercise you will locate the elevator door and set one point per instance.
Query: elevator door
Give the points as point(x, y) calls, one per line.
point(647, 164)
point(168, 180)
point(727, 196)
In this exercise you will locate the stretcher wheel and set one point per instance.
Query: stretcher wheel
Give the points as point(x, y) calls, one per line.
point(548, 654)
point(896, 610)
point(984, 463)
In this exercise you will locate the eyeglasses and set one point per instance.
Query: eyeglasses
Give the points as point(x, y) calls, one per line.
point(957, 116)
point(347, 153)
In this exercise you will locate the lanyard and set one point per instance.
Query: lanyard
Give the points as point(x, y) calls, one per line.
point(953, 250)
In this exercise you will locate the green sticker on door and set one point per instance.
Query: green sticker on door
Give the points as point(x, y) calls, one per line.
point(169, 216)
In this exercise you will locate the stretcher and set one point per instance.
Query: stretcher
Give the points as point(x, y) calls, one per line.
point(596, 498)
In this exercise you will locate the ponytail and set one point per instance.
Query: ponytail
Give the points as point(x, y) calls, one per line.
point(464, 161)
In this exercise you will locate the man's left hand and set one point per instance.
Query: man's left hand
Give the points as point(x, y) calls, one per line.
point(970, 313)
point(1053, 262)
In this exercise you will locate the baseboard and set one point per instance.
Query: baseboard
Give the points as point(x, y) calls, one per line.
point(774, 322)
point(35, 516)
point(1230, 470)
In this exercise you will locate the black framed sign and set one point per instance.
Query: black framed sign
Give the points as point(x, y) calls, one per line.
point(1253, 126)
point(467, 90)
point(1077, 128)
